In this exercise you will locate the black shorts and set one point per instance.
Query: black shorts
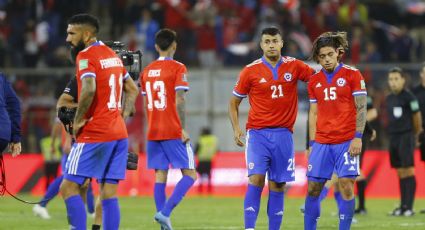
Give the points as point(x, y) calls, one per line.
point(365, 143)
point(204, 167)
point(402, 147)
point(422, 145)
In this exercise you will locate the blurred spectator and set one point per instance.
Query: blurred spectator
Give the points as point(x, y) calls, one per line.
point(352, 13)
point(205, 149)
point(146, 28)
point(403, 45)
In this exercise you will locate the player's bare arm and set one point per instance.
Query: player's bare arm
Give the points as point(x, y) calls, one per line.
point(356, 144)
point(417, 123)
point(88, 90)
point(181, 111)
point(131, 90)
point(65, 100)
point(234, 119)
point(312, 119)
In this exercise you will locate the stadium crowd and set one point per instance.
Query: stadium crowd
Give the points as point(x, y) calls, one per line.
point(225, 32)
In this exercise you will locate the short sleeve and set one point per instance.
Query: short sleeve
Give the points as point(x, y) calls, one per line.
point(181, 82)
point(312, 97)
point(86, 66)
point(357, 83)
point(243, 85)
point(305, 71)
point(72, 89)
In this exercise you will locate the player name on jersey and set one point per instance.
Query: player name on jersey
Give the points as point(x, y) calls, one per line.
point(110, 62)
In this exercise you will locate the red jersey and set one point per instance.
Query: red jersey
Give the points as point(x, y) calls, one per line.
point(272, 91)
point(105, 122)
point(159, 81)
point(336, 110)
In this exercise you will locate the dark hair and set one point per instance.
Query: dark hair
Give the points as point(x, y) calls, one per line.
point(271, 31)
point(85, 19)
point(206, 131)
point(396, 69)
point(164, 38)
point(337, 40)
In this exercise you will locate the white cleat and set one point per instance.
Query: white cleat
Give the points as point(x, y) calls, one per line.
point(41, 212)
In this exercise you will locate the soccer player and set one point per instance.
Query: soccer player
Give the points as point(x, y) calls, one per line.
point(271, 84)
point(337, 118)
point(164, 84)
point(419, 92)
point(404, 127)
point(101, 145)
point(10, 118)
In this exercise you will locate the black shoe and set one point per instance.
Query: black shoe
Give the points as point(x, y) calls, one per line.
point(422, 211)
point(360, 211)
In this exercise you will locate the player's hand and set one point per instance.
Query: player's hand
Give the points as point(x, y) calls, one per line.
point(308, 152)
point(238, 135)
point(15, 148)
point(373, 137)
point(355, 147)
point(185, 136)
point(77, 126)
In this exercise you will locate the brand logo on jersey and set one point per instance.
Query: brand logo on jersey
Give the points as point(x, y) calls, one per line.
point(287, 76)
point(263, 80)
point(154, 73)
point(83, 64)
point(310, 167)
point(251, 165)
point(341, 82)
point(362, 84)
point(318, 85)
point(352, 168)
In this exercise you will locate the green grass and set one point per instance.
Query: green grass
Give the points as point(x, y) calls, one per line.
point(208, 213)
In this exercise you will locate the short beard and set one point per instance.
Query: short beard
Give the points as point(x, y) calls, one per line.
point(75, 50)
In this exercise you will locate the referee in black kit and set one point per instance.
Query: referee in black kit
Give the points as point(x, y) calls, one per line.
point(419, 92)
point(404, 126)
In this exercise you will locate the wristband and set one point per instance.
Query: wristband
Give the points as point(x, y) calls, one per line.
point(358, 135)
point(310, 143)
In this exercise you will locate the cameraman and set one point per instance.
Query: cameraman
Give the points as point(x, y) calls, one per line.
point(66, 107)
point(10, 118)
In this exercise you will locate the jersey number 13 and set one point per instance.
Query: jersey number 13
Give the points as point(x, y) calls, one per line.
point(157, 87)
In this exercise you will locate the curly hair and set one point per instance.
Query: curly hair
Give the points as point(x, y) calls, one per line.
point(337, 40)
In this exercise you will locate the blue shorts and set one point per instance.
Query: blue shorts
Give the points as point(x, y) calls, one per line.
point(163, 153)
point(63, 162)
point(326, 159)
point(105, 161)
point(271, 151)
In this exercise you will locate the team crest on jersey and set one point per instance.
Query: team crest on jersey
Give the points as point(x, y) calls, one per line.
point(288, 76)
point(341, 82)
point(154, 73)
point(83, 64)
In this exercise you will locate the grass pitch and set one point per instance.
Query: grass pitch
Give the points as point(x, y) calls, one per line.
point(209, 213)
